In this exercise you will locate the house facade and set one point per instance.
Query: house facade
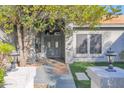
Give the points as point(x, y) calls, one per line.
point(91, 46)
point(84, 45)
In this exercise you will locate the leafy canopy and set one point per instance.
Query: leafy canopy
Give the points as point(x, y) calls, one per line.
point(42, 17)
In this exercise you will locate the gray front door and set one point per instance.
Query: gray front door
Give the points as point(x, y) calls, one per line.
point(53, 46)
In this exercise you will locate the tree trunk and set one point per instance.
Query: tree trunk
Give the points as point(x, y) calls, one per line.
point(28, 40)
point(25, 40)
point(20, 42)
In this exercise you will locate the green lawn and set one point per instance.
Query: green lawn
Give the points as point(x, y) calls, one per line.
point(81, 67)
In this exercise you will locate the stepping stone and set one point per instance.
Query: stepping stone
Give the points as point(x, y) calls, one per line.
point(81, 76)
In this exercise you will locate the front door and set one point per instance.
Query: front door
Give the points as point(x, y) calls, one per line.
point(53, 46)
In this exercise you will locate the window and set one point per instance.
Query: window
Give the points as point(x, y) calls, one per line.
point(95, 44)
point(81, 44)
point(88, 43)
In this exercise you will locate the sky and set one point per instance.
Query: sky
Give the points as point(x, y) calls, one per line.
point(122, 9)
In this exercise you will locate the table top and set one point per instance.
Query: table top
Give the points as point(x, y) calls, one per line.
point(100, 71)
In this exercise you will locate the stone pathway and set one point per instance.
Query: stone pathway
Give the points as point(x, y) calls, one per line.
point(66, 80)
point(55, 74)
point(41, 79)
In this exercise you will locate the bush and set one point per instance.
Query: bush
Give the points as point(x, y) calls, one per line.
point(5, 50)
point(1, 77)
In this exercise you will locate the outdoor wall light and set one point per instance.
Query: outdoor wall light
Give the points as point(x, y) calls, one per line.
point(14, 54)
point(110, 55)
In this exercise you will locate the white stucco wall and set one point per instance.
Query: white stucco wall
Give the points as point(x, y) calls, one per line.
point(3, 36)
point(110, 38)
point(6, 37)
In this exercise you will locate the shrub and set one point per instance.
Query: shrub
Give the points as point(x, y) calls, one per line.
point(5, 50)
point(1, 77)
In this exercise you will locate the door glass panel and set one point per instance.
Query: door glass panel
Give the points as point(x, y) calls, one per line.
point(48, 45)
point(56, 44)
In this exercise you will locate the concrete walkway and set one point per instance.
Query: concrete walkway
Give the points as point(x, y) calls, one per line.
point(56, 74)
point(66, 80)
point(52, 75)
point(21, 77)
point(41, 78)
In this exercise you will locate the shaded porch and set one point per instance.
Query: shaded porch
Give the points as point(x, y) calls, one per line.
point(50, 45)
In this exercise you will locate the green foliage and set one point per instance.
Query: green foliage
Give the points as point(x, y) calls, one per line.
point(39, 17)
point(6, 19)
point(10, 59)
point(1, 77)
point(6, 48)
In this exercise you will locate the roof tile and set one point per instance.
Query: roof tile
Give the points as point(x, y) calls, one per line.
point(117, 20)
